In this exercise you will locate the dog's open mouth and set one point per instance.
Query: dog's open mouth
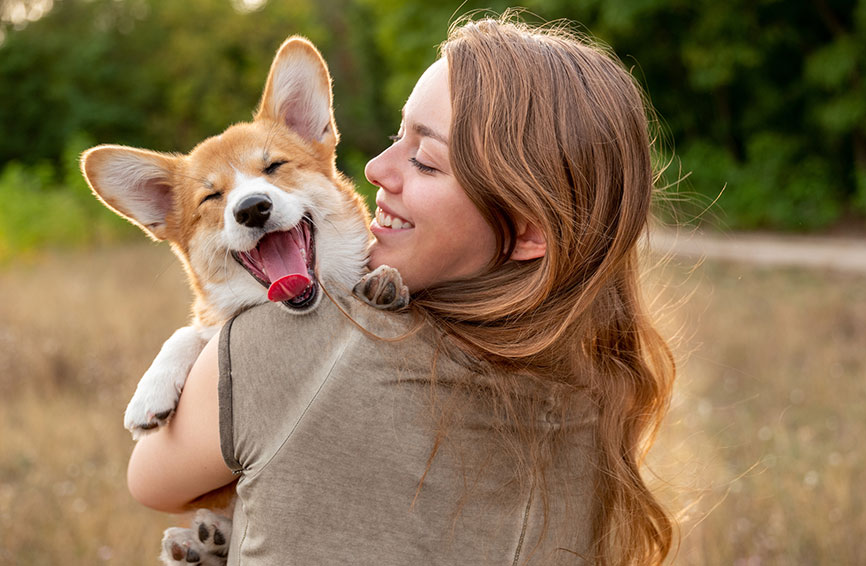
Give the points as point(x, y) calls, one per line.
point(284, 262)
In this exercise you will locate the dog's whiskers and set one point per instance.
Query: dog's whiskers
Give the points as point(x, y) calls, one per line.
point(226, 256)
point(225, 263)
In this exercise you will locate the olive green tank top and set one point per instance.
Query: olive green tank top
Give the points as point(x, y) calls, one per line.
point(332, 433)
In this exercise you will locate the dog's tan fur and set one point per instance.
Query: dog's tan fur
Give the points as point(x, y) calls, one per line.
point(209, 167)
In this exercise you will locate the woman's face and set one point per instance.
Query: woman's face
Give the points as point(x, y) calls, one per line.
point(425, 225)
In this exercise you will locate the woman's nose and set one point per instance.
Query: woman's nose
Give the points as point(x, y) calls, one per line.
point(380, 171)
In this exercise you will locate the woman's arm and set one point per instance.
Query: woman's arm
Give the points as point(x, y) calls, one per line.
point(182, 460)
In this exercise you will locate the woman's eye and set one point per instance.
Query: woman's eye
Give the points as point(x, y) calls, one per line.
point(421, 167)
point(395, 138)
point(272, 168)
point(215, 195)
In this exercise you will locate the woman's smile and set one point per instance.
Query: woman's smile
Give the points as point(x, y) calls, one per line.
point(387, 219)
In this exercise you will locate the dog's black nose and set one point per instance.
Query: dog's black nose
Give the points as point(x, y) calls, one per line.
point(253, 211)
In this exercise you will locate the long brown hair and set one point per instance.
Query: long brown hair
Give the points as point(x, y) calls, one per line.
point(550, 128)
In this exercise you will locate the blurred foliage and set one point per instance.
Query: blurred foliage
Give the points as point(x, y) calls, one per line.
point(765, 99)
point(47, 204)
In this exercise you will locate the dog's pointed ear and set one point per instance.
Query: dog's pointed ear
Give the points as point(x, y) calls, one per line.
point(135, 183)
point(298, 92)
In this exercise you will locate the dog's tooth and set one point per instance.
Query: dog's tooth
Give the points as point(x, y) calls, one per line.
point(396, 224)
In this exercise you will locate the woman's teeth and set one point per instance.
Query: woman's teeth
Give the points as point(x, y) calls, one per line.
point(393, 222)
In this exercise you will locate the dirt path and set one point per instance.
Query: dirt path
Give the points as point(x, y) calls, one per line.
point(818, 252)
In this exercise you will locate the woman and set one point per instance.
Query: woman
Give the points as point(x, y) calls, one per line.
point(508, 420)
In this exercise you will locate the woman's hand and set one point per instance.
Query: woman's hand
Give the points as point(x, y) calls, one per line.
point(182, 460)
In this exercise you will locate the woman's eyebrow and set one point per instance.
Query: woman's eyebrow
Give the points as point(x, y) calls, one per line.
point(421, 129)
point(426, 131)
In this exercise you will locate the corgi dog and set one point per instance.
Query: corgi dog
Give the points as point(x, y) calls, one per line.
point(258, 213)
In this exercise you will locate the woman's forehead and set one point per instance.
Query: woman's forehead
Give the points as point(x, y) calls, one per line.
point(428, 109)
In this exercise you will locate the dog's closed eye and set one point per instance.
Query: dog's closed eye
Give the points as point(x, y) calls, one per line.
point(272, 168)
point(214, 195)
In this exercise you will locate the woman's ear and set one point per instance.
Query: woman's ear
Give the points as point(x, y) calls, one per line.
point(530, 243)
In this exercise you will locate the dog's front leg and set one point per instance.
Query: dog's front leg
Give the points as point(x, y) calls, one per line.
point(156, 396)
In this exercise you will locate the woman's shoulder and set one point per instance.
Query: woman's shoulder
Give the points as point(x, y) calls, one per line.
point(341, 324)
point(335, 317)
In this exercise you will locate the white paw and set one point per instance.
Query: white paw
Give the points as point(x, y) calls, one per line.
point(153, 403)
point(205, 544)
point(156, 397)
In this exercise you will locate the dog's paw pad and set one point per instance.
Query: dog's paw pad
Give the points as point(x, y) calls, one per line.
point(213, 531)
point(211, 536)
point(180, 548)
point(383, 288)
point(184, 553)
point(151, 422)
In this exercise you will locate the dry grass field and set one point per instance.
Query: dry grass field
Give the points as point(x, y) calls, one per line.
point(75, 332)
point(761, 455)
point(762, 452)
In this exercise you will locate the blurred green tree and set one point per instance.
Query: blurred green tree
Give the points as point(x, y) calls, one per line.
point(765, 99)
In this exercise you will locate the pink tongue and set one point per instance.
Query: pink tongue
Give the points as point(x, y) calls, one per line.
point(284, 265)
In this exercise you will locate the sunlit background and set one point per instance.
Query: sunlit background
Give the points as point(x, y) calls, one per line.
point(762, 122)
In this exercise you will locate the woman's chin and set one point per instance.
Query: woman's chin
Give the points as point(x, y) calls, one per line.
point(379, 257)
